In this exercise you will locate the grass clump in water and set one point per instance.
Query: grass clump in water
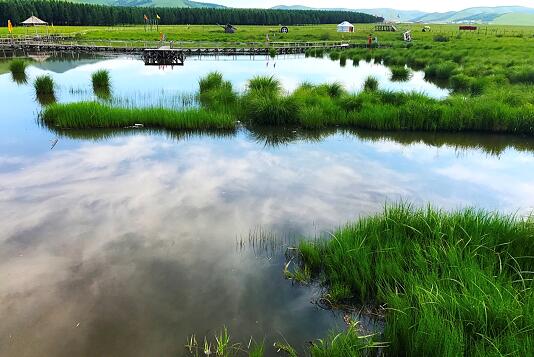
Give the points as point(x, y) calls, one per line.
point(217, 94)
point(44, 85)
point(100, 80)
point(400, 73)
point(265, 85)
point(453, 284)
point(86, 115)
point(370, 84)
point(211, 81)
point(18, 71)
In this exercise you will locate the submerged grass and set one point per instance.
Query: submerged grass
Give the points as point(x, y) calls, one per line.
point(86, 115)
point(454, 284)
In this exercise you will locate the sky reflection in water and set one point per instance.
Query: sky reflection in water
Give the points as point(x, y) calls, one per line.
point(127, 245)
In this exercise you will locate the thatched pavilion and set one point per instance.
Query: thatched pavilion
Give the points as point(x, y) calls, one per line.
point(34, 21)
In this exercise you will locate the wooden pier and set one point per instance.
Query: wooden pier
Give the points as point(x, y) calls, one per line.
point(169, 53)
point(163, 56)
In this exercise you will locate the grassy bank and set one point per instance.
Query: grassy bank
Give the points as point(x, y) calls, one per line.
point(453, 284)
point(87, 115)
point(316, 107)
point(322, 106)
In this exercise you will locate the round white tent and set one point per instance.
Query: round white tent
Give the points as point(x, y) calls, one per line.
point(345, 27)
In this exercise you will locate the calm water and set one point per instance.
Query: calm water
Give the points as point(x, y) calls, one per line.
point(125, 243)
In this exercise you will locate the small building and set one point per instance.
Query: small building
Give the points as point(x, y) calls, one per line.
point(345, 26)
point(385, 28)
point(34, 21)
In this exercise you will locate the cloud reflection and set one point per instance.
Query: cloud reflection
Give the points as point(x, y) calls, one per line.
point(134, 238)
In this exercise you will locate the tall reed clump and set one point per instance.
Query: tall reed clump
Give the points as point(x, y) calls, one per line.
point(264, 104)
point(523, 75)
point(18, 70)
point(370, 84)
point(442, 71)
point(217, 94)
point(44, 85)
point(400, 73)
point(18, 66)
point(453, 284)
point(85, 115)
point(100, 80)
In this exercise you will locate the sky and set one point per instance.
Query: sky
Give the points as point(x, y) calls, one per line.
point(430, 6)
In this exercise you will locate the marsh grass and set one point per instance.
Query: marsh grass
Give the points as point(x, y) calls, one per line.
point(85, 115)
point(458, 283)
point(267, 85)
point(101, 81)
point(441, 71)
point(17, 68)
point(221, 345)
point(370, 84)
point(400, 73)
point(217, 94)
point(523, 75)
point(211, 81)
point(347, 343)
point(44, 86)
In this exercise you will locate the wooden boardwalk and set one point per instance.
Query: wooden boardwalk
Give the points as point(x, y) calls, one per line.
point(156, 54)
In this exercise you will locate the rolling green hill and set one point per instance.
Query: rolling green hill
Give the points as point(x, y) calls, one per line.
point(475, 14)
point(517, 19)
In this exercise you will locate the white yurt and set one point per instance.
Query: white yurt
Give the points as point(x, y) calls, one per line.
point(345, 27)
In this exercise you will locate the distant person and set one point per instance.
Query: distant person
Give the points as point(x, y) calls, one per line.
point(376, 41)
point(370, 41)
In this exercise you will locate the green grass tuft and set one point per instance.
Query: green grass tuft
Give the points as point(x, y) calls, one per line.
point(400, 73)
point(44, 85)
point(264, 84)
point(86, 115)
point(100, 80)
point(18, 66)
point(370, 84)
point(454, 284)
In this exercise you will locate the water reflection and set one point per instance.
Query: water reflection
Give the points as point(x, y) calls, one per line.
point(129, 242)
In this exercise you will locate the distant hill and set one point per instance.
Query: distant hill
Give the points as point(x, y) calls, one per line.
point(474, 14)
point(518, 19)
point(505, 15)
point(151, 3)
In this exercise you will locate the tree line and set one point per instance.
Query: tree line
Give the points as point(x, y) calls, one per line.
point(65, 13)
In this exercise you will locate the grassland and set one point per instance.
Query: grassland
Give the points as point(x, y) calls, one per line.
point(213, 33)
point(453, 284)
point(491, 73)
